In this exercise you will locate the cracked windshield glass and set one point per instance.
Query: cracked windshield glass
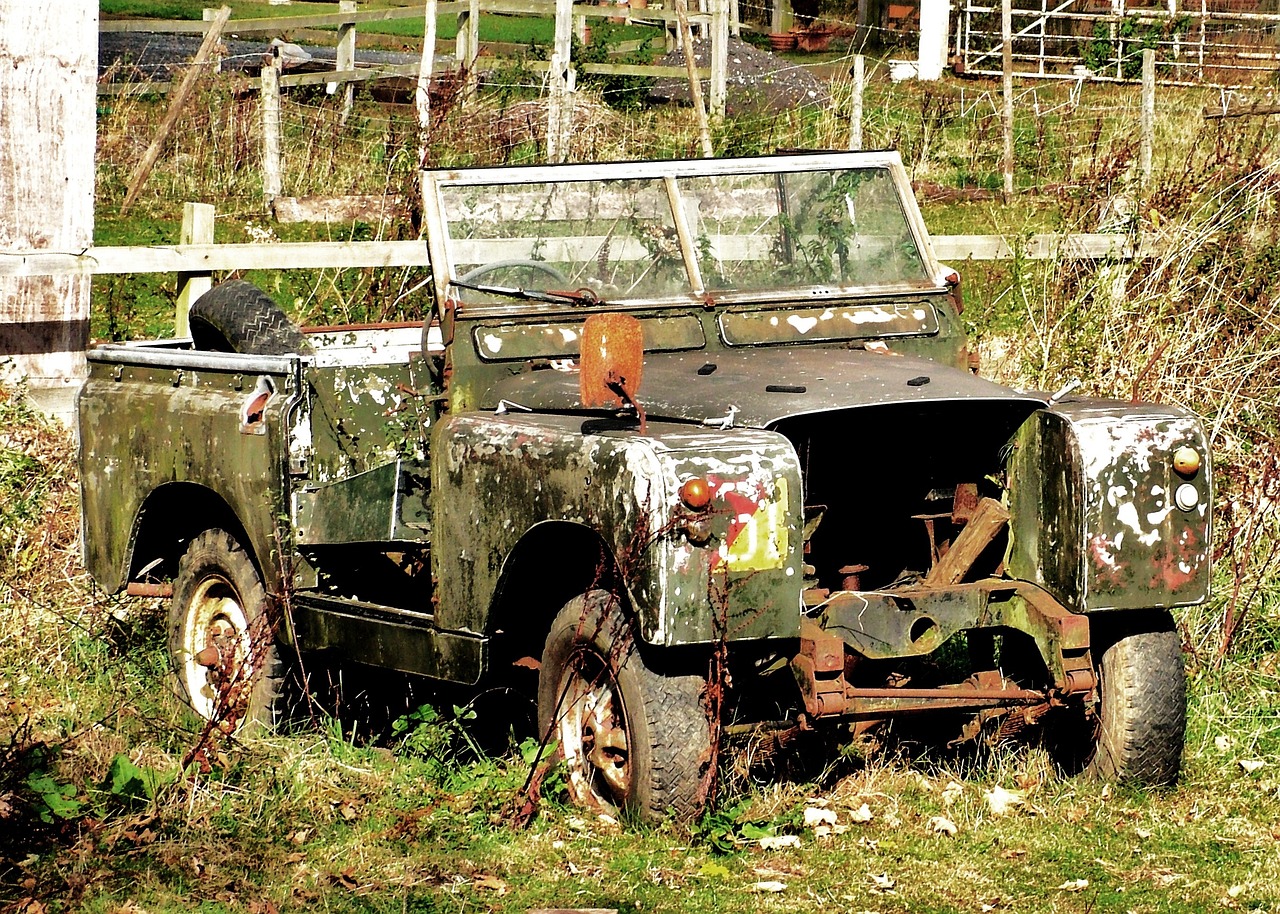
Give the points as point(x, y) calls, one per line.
point(655, 239)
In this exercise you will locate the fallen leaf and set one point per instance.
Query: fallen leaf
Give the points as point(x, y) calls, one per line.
point(769, 885)
point(989, 906)
point(941, 825)
point(1222, 743)
point(1105, 792)
point(714, 871)
point(1002, 802)
point(813, 817)
point(1141, 832)
point(951, 793)
point(862, 814)
point(493, 883)
point(300, 836)
point(778, 842)
point(1235, 891)
point(882, 882)
point(1074, 885)
point(1250, 765)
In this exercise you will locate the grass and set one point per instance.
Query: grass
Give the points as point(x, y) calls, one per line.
point(351, 813)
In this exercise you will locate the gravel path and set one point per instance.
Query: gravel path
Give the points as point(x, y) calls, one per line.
point(757, 81)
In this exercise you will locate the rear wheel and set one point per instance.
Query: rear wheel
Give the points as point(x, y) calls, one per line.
point(1135, 731)
point(632, 738)
point(221, 638)
point(237, 316)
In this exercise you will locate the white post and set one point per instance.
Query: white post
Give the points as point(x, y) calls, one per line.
point(345, 57)
point(271, 155)
point(48, 74)
point(1148, 114)
point(422, 93)
point(934, 15)
point(719, 57)
point(560, 84)
point(735, 19)
point(197, 228)
point(859, 89)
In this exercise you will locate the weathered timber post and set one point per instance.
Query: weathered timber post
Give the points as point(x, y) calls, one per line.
point(695, 85)
point(781, 19)
point(1148, 114)
point(271, 154)
point(859, 90)
point(560, 78)
point(48, 75)
point(467, 45)
point(422, 94)
point(345, 58)
point(719, 57)
point(197, 228)
point(177, 100)
point(1006, 32)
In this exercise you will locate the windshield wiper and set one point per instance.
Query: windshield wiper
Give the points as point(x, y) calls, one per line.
point(581, 297)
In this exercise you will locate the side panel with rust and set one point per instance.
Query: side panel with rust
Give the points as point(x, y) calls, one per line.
point(495, 479)
point(1094, 515)
point(143, 428)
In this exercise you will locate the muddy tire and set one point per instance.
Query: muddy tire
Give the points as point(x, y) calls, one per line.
point(222, 644)
point(632, 737)
point(1138, 724)
point(236, 316)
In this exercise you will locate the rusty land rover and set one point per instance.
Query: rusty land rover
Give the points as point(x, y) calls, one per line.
point(690, 445)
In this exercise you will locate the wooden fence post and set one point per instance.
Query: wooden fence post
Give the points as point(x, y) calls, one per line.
point(208, 14)
point(1148, 113)
point(735, 19)
point(1006, 32)
point(695, 86)
point(197, 228)
point(271, 150)
point(176, 101)
point(345, 59)
point(719, 38)
point(782, 18)
point(422, 95)
point(560, 85)
point(467, 45)
point(859, 89)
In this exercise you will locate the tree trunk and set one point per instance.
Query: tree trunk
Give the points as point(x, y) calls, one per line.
point(48, 75)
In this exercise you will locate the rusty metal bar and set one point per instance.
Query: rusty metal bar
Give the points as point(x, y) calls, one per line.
point(141, 589)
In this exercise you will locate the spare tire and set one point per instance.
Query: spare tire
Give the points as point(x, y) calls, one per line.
point(237, 316)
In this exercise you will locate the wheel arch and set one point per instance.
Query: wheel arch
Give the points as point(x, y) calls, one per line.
point(169, 518)
point(551, 564)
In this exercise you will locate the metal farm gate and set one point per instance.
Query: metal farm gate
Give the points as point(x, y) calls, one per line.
point(1225, 43)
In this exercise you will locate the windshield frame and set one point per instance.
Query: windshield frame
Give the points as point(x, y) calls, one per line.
point(437, 181)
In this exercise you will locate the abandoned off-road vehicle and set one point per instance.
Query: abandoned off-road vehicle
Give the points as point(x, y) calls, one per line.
point(687, 444)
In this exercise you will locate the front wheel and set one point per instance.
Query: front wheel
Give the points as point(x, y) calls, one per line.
point(221, 638)
point(631, 737)
point(1135, 730)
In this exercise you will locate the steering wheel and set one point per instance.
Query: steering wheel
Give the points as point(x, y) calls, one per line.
point(498, 266)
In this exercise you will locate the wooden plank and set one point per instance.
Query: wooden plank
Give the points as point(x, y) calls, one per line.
point(324, 254)
point(987, 522)
point(349, 208)
point(176, 103)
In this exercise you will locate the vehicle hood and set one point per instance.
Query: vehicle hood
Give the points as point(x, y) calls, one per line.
point(761, 387)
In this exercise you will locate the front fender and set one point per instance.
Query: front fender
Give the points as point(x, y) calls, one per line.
point(497, 478)
point(1094, 504)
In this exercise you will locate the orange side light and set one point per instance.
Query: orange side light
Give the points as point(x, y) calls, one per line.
point(695, 493)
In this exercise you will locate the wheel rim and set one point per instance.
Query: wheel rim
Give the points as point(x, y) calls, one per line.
point(216, 661)
point(594, 738)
